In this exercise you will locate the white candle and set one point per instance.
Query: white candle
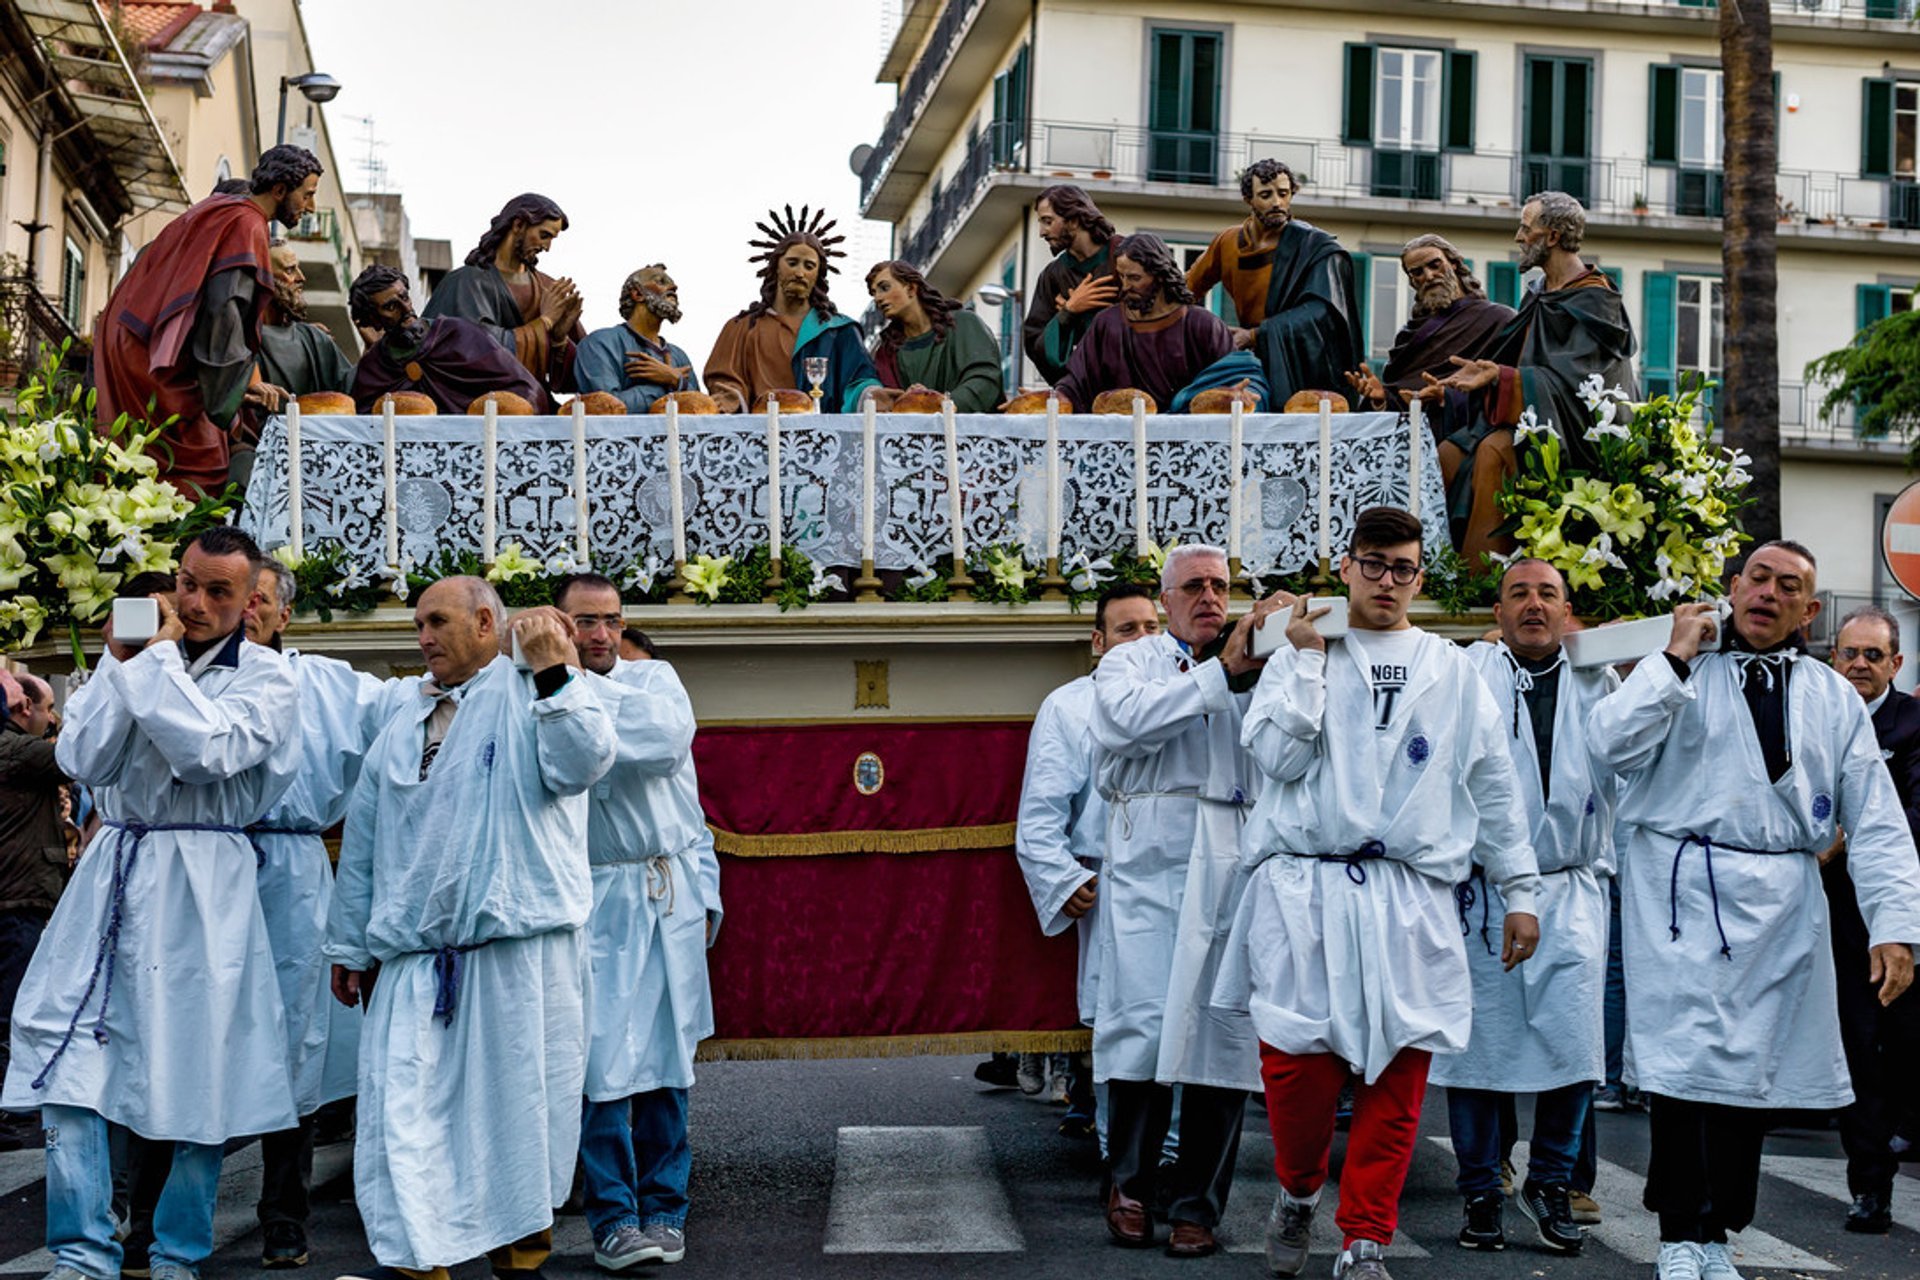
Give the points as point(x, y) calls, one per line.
point(1053, 478)
point(868, 463)
point(1326, 480)
point(489, 464)
point(676, 502)
point(1236, 438)
point(1416, 429)
point(954, 514)
point(1139, 476)
point(296, 518)
point(581, 549)
point(773, 478)
point(390, 466)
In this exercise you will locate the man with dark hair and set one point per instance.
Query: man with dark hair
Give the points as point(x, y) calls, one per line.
point(33, 858)
point(1536, 1029)
point(1719, 883)
point(1882, 1042)
point(630, 360)
point(1384, 771)
point(636, 645)
point(1061, 835)
point(1073, 288)
point(656, 909)
point(152, 1001)
point(1292, 287)
point(451, 360)
point(1157, 341)
point(182, 330)
point(1451, 316)
point(765, 348)
point(501, 289)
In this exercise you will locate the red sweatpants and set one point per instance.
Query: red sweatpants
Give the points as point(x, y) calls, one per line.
point(1303, 1092)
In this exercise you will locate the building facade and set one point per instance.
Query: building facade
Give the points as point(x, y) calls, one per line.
point(1442, 116)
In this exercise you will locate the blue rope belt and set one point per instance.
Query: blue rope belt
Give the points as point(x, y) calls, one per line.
point(447, 964)
point(1707, 847)
point(1356, 861)
point(1466, 897)
point(108, 951)
point(257, 830)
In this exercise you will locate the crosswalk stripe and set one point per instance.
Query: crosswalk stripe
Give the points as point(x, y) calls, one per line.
point(1244, 1226)
point(233, 1214)
point(1633, 1232)
point(21, 1169)
point(918, 1189)
point(1827, 1176)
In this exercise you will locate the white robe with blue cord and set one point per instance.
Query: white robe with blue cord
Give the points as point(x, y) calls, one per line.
point(1363, 960)
point(1177, 786)
point(1541, 1025)
point(192, 1045)
point(656, 892)
point(469, 1124)
point(1756, 1025)
point(1061, 834)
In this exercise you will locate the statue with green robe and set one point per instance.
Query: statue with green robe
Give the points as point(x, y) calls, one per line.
point(931, 343)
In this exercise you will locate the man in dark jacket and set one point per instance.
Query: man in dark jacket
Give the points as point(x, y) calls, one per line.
point(33, 853)
point(1882, 1043)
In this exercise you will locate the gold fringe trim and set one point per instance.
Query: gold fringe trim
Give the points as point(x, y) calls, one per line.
point(935, 1045)
point(813, 844)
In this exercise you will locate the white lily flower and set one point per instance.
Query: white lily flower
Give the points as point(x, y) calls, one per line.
point(920, 576)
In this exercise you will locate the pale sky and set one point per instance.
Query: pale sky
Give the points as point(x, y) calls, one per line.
point(664, 128)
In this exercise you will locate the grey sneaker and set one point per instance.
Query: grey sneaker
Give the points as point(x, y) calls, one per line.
point(1717, 1263)
point(624, 1246)
point(666, 1243)
point(1289, 1228)
point(65, 1272)
point(1679, 1260)
point(174, 1271)
point(1362, 1260)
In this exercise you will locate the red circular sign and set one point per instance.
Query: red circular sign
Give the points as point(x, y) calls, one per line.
point(1900, 540)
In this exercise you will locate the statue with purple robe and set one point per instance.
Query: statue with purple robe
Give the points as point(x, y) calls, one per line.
point(1159, 340)
point(1451, 316)
point(454, 361)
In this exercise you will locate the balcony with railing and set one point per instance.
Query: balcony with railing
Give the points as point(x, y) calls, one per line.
point(31, 328)
point(322, 227)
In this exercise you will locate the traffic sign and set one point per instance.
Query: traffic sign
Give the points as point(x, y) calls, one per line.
point(1900, 540)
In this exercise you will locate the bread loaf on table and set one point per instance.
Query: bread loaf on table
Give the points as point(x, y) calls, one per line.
point(921, 401)
point(1032, 402)
point(1221, 399)
point(1120, 400)
point(600, 403)
point(506, 404)
point(788, 399)
point(689, 402)
point(1309, 402)
point(407, 404)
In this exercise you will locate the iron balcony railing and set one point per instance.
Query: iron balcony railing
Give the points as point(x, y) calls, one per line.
point(33, 328)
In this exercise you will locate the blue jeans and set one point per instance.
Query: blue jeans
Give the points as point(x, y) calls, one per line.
point(80, 1197)
point(1473, 1116)
point(1615, 1002)
point(635, 1158)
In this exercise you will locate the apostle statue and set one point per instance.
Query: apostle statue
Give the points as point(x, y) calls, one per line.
point(1158, 340)
point(1291, 284)
point(502, 290)
point(453, 361)
point(182, 331)
point(931, 342)
point(1076, 286)
point(1572, 325)
point(1452, 316)
point(765, 347)
point(630, 360)
point(297, 356)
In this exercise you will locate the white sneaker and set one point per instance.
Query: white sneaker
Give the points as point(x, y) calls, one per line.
point(1718, 1263)
point(1680, 1260)
point(1032, 1073)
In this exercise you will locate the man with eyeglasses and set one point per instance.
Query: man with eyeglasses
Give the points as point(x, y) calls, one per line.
point(1177, 786)
point(656, 908)
point(1385, 772)
point(1882, 1043)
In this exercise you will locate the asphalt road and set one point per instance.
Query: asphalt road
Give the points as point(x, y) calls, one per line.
point(907, 1168)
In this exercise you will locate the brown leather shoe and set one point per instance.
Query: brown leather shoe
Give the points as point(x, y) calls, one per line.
point(1190, 1240)
point(1127, 1220)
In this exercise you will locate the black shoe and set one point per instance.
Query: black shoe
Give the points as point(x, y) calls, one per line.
point(135, 1250)
point(1481, 1227)
point(1871, 1215)
point(1001, 1071)
point(1553, 1216)
point(284, 1245)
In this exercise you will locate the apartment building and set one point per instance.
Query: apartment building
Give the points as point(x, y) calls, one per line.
point(1437, 115)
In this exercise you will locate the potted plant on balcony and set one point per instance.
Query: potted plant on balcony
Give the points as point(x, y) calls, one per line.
point(1639, 204)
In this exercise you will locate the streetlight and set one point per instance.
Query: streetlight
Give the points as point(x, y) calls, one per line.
point(314, 86)
point(1003, 298)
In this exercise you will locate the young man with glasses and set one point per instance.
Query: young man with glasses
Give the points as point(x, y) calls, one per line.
point(1385, 772)
point(1882, 1043)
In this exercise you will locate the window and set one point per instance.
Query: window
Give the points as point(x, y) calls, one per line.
point(1390, 305)
point(1700, 117)
point(1697, 325)
point(1009, 128)
point(1558, 125)
point(1889, 143)
point(1216, 300)
point(1010, 324)
point(1183, 96)
point(1875, 302)
point(73, 284)
point(1406, 110)
point(1408, 105)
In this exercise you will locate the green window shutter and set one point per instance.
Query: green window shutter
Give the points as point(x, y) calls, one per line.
point(1356, 114)
point(1663, 115)
point(1657, 328)
point(1456, 100)
point(1876, 128)
point(1883, 8)
point(1363, 293)
point(1503, 283)
point(1871, 303)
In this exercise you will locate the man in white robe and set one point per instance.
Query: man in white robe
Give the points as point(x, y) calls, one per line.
point(151, 1001)
point(341, 712)
point(656, 909)
point(1061, 834)
point(1386, 776)
point(1177, 788)
point(457, 917)
point(1538, 1028)
point(1738, 768)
